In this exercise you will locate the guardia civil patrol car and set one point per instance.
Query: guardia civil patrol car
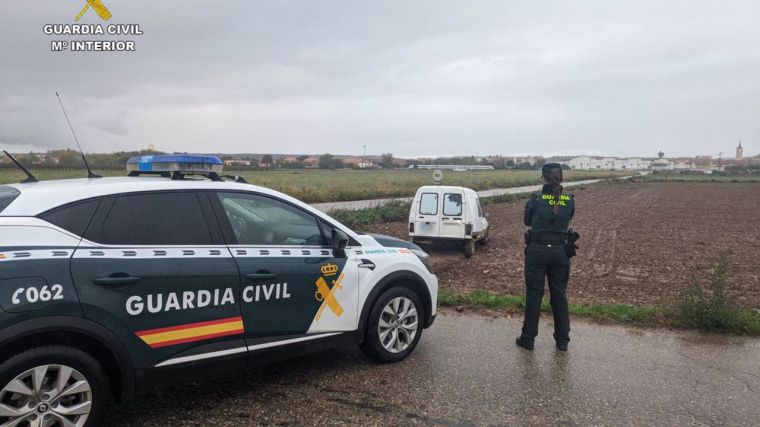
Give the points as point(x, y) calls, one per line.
point(114, 286)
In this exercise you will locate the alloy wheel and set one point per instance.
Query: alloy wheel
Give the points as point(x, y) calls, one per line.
point(46, 396)
point(398, 324)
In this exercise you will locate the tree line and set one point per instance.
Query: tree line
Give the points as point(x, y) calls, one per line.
point(72, 159)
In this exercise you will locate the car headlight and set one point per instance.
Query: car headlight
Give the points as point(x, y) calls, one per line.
point(425, 258)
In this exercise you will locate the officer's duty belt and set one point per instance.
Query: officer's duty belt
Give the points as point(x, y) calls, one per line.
point(548, 238)
point(549, 242)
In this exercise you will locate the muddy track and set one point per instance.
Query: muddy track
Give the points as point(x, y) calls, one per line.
point(641, 243)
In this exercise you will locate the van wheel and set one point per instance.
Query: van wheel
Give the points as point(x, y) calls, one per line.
point(469, 248)
point(394, 326)
point(484, 240)
point(52, 385)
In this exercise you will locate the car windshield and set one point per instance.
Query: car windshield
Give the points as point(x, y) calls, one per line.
point(7, 195)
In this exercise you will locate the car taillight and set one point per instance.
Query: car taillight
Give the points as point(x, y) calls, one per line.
point(468, 229)
point(411, 227)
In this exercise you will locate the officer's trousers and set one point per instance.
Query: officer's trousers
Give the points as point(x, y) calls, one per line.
point(550, 262)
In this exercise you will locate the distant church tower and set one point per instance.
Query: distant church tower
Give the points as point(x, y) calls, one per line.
point(739, 151)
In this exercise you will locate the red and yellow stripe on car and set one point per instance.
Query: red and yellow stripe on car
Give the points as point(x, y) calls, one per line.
point(191, 332)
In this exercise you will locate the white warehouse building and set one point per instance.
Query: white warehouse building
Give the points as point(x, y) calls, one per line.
point(607, 163)
point(587, 163)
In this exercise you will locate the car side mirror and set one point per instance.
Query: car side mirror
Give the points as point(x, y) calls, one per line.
point(339, 241)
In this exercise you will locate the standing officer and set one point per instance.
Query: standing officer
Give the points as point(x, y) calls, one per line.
point(547, 255)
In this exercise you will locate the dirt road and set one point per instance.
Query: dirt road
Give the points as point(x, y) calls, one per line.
point(642, 243)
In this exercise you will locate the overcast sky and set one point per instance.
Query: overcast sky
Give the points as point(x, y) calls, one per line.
point(415, 78)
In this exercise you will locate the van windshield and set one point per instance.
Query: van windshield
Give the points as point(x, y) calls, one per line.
point(429, 204)
point(7, 195)
point(452, 204)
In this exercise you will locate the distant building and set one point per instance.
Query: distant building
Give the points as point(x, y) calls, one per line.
point(456, 167)
point(591, 163)
point(400, 163)
point(355, 162)
point(237, 162)
point(682, 165)
point(531, 160)
point(739, 151)
point(703, 161)
point(311, 162)
point(662, 164)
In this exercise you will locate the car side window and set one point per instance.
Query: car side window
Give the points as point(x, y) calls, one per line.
point(452, 204)
point(429, 204)
point(262, 220)
point(169, 218)
point(480, 209)
point(73, 218)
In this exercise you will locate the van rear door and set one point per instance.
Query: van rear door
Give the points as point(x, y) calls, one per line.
point(427, 215)
point(452, 215)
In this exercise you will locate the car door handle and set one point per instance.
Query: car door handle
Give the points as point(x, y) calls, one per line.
point(260, 276)
point(365, 263)
point(116, 280)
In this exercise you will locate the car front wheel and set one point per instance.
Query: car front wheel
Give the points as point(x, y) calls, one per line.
point(394, 326)
point(52, 386)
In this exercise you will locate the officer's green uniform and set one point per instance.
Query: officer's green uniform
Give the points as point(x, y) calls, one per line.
point(545, 257)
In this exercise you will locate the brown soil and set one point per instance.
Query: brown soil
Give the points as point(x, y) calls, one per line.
point(641, 243)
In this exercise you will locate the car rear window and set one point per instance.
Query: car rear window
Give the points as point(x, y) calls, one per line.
point(452, 204)
point(7, 195)
point(74, 218)
point(429, 204)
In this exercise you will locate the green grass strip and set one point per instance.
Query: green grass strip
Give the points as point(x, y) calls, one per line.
point(622, 312)
point(736, 321)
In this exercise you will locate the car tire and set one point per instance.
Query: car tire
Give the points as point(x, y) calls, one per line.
point(392, 316)
point(85, 386)
point(469, 248)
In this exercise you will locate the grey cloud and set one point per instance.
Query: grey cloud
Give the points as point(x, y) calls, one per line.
point(414, 78)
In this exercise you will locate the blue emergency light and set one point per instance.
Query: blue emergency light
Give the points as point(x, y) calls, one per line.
point(188, 164)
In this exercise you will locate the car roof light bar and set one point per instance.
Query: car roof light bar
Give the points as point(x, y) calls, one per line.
point(176, 166)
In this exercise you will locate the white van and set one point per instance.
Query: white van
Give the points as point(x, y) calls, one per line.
point(448, 213)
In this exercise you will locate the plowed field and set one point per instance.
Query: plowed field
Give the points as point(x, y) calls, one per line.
point(641, 243)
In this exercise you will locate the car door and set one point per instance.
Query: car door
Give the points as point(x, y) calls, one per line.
point(292, 282)
point(153, 268)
